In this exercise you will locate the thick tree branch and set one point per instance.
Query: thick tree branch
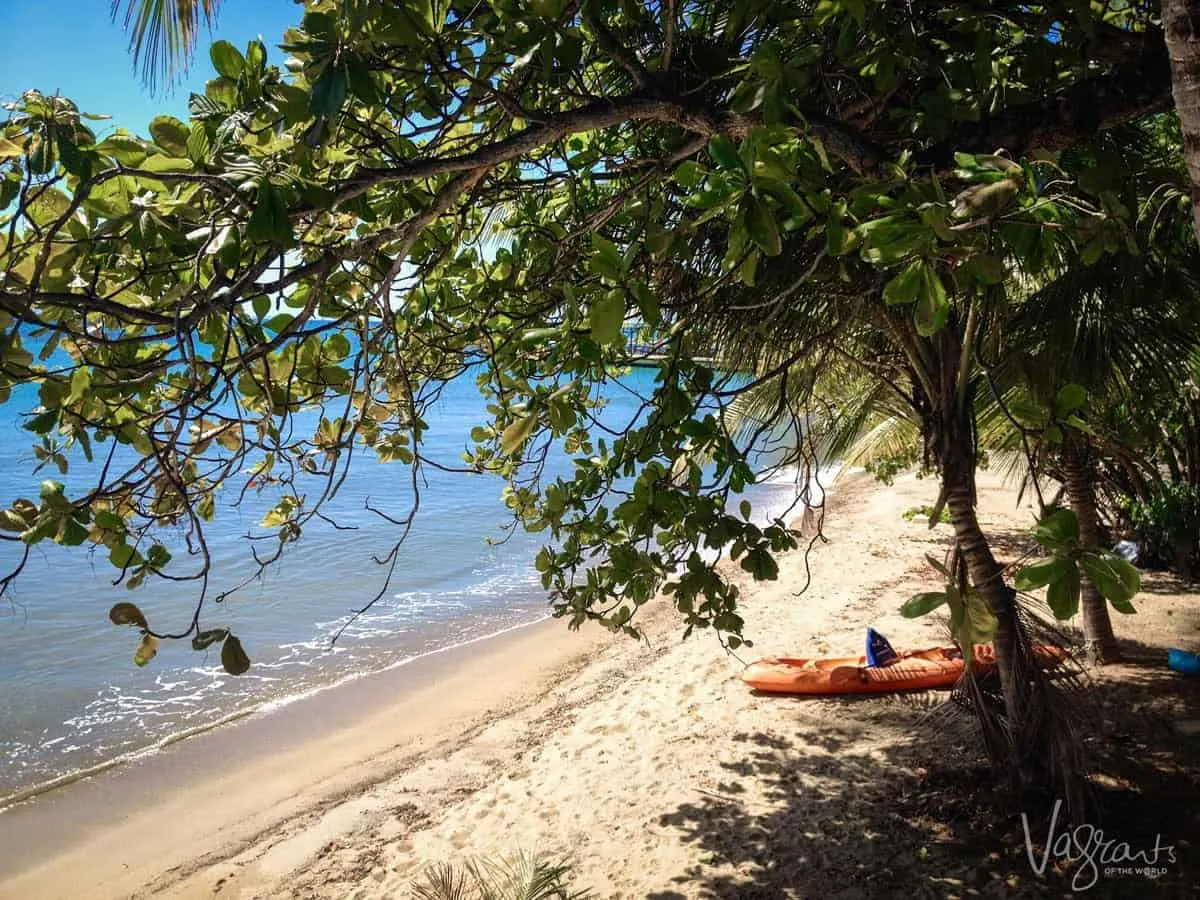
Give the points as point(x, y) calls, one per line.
point(1131, 91)
point(591, 117)
point(20, 304)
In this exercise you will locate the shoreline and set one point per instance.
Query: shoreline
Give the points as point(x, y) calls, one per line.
point(264, 708)
point(379, 720)
point(822, 481)
point(62, 821)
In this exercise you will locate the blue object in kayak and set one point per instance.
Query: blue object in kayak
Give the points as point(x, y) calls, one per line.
point(1183, 662)
point(879, 651)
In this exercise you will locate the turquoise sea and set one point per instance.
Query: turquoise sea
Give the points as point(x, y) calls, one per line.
point(72, 698)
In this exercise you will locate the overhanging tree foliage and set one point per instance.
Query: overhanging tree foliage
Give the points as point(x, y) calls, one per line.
point(318, 238)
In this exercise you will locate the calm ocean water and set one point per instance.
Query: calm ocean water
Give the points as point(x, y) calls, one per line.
point(72, 698)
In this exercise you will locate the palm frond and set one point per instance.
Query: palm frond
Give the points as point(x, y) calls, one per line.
point(519, 877)
point(163, 33)
point(444, 882)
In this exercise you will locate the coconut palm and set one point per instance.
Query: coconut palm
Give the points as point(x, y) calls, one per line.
point(868, 373)
point(1120, 328)
point(163, 33)
point(1123, 327)
point(833, 314)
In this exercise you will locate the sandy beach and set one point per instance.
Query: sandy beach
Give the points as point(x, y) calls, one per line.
point(649, 766)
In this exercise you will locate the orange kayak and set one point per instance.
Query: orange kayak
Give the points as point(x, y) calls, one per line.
point(915, 670)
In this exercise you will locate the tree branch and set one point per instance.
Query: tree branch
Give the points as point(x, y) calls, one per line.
point(591, 117)
point(1131, 91)
point(615, 50)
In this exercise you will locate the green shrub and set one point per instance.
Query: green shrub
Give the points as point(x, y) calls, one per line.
point(927, 511)
point(1168, 524)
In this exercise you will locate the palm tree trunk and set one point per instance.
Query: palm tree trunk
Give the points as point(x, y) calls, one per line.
point(987, 577)
point(1099, 642)
point(1181, 24)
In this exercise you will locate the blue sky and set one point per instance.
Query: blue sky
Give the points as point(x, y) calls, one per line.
point(74, 48)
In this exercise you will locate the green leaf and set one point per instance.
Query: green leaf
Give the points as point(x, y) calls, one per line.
point(256, 57)
point(71, 532)
point(760, 223)
point(81, 381)
point(127, 614)
point(121, 555)
point(606, 259)
point(978, 624)
point(160, 163)
point(227, 59)
point(1062, 596)
point(517, 433)
point(170, 134)
point(903, 288)
point(233, 658)
point(837, 236)
point(1042, 573)
point(1127, 574)
point(607, 316)
point(269, 221)
point(109, 521)
point(724, 153)
point(933, 306)
point(123, 148)
point(1113, 577)
point(1092, 251)
point(198, 143)
point(43, 422)
point(146, 650)
point(921, 604)
point(329, 92)
point(747, 271)
point(647, 302)
point(1069, 400)
point(1060, 527)
point(206, 638)
point(689, 173)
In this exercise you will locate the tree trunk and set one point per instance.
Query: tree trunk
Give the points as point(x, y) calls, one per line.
point(1181, 24)
point(987, 577)
point(1100, 644)
point(1183, 558)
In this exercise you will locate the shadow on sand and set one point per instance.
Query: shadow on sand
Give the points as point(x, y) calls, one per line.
point(839, 813)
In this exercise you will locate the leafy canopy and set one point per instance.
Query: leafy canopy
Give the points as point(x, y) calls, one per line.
point(435, 189)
